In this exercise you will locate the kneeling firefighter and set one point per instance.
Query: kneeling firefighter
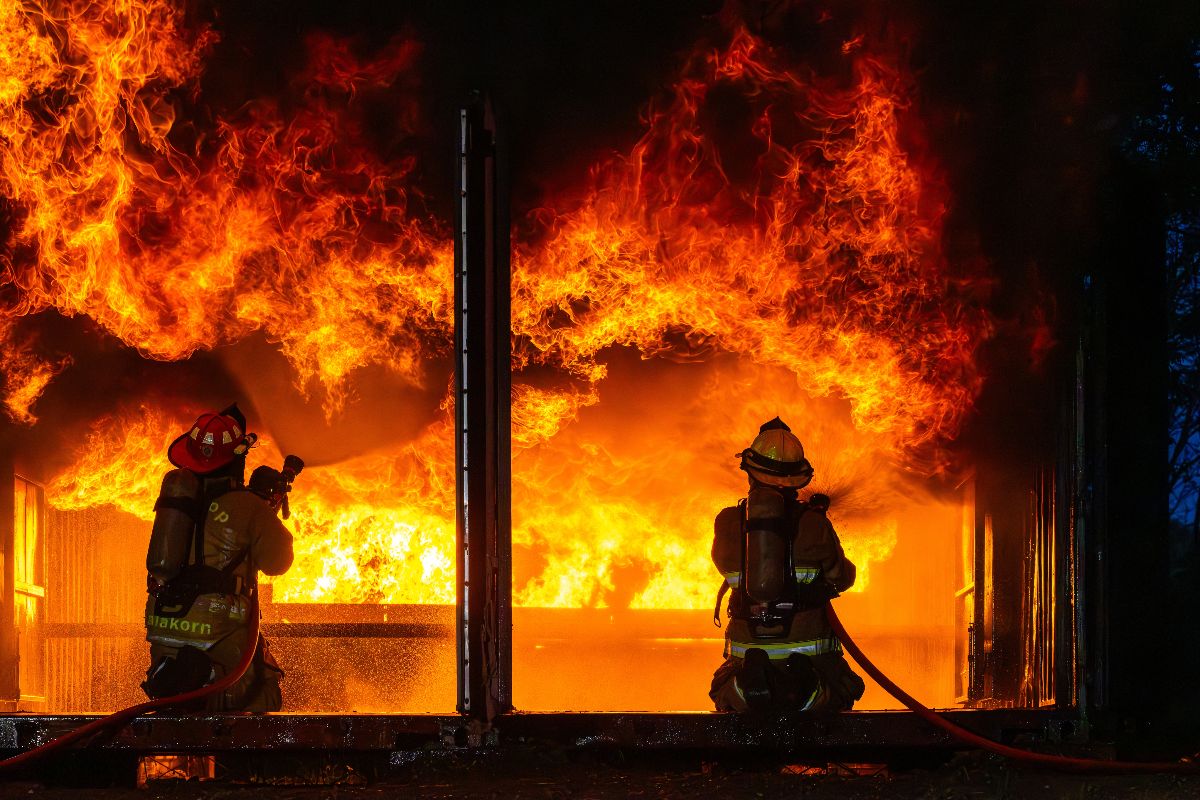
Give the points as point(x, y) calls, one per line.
point(211, 537)
point(783, 561)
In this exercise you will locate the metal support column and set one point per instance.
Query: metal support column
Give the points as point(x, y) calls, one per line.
point(482, 356)
point(10, 692)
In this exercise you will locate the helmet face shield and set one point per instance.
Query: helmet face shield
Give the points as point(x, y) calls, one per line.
point(776, 457)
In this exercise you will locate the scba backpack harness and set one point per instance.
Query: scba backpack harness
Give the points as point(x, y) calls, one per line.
point(767, 590)
point(175, 598)
point(190, 667)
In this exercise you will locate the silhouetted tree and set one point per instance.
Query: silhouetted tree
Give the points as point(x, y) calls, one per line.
point(1166, 140)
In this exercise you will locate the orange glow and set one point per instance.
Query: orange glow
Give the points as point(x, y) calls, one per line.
point(289, 226)
point(701, 283)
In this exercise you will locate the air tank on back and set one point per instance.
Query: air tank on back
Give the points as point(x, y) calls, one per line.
point(766, 550)
point(171, 537)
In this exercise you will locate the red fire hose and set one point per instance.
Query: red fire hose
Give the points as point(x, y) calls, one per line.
point(122, 717)
point(975, 740)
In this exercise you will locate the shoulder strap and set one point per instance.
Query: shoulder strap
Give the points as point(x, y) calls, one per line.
point(201, 518)
point(737, 603)
point(742, 512)
point(796, 510)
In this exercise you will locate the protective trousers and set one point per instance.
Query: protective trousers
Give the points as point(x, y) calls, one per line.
point(838, 689)
point(257, 690)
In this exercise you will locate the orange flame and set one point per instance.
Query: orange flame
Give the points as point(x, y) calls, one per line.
point(825, 261)
point(173, 249)
point(769, 246)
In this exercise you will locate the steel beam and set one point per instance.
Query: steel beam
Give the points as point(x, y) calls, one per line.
point(482, 360)
point(861, 732)
point(9, 689)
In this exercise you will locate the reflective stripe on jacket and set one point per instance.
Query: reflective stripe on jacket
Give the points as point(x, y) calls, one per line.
point(806, 575)
point(777, 651)
point(803, 575)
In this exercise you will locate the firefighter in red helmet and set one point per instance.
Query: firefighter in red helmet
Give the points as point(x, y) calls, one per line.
point(212, 535)
point(781, 561)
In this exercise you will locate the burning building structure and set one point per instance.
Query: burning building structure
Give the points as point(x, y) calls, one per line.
point(788, 227)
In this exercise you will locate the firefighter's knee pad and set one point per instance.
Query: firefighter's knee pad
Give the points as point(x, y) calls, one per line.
point(187, 670)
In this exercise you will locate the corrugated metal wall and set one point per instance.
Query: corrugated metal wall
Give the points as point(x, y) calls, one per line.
point(95, 598)
point(1039, 586)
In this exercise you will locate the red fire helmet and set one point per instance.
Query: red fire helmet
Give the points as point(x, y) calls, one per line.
point(213, 441)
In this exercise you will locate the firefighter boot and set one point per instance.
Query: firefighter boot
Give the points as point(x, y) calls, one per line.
point(187, 669)
point(798, 684)
point(754, 680)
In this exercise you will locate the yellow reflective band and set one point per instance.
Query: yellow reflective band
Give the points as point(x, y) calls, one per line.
point(777, 651)
point(733, 579)
point(807, 575)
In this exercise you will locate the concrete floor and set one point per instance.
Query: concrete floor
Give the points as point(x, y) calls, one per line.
point(571, 774)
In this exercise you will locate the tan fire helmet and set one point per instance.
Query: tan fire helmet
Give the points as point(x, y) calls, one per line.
point(776, 457)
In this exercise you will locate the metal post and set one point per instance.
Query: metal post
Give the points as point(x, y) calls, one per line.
point(10, 693)
point(1128, 570)
point(482, 356)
